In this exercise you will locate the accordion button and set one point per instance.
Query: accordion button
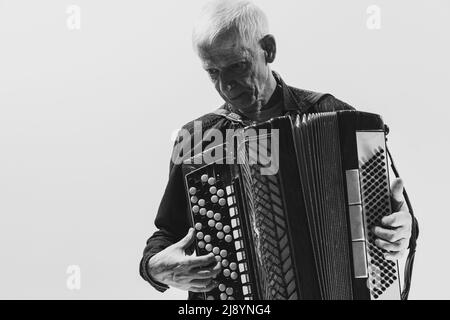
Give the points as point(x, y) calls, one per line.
point(194, 199)
point(222, 202)
point(198, 226)
point(208, 247)
point(207, 238)
point(213, 190)
point(228, 238)
point(209, 298)
point(218, 258)
point(223, 253)
point(233, 266)
point(195, 209)
point(214, 199)
point(201, 244)
point(227, 229)
point(226, 272)
point(200, 235)
point(211, 181)
point(229, 291)
point(204, 178)
point(210, 214)
point(220, 235)
point(216, 250)
point(202, 211)
point(211, 223)
point(192, 190)
point(230, 298)
point(222, 287)
point(201, 202)
point(223, 296)
point(225, 263)
point(220, 192)
point(219, 226)
point(234, 275)
point(217, 216)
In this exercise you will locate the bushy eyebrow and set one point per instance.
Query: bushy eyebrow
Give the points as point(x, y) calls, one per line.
point(206, 66)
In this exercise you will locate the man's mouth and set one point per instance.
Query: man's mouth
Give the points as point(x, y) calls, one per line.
point(238, 96)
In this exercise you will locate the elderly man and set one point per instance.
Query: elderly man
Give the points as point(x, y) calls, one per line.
point(233, 42)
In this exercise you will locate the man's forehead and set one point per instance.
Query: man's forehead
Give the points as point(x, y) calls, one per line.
point(225, 50)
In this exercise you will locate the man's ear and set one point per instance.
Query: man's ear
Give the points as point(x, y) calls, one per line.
point(269, 46)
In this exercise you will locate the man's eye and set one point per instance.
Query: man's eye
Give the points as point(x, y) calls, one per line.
point(213, 72)
point(240, 66)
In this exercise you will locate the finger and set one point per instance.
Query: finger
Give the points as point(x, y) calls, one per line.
point(187, 240)
point(208, 272)
point(397, 194)
point(208, 288)
point(399, 245)
point(201, 283)
point(202, 261)
point(391, 235)
point(397, 219)
point(394, 255)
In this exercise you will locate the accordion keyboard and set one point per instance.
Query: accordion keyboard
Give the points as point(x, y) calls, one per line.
point(218, 229)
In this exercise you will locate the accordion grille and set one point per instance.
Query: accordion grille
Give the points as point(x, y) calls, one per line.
point(375, 193)
point(270, 232)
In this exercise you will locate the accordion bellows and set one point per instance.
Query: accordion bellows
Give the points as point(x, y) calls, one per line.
point(302, 231)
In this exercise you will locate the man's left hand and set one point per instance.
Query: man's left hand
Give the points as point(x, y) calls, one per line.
point(395, 230)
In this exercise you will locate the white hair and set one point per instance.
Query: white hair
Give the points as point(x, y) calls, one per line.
point(219, 16)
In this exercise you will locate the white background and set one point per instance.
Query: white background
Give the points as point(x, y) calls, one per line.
point(86, 118)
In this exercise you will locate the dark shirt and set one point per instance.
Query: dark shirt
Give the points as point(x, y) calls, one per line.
point(172, 218)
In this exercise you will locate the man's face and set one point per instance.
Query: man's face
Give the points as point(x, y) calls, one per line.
point(238, 70)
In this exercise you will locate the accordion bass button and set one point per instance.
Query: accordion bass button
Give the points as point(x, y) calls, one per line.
point(228, 238)
point(233, 266)
point(192, 191)
point(218, 258)
point(198, 226)
point(195, 209)
point(220, 192)
point(202, 211)
point(213, 190)
point(201, 244)
point(211, 223)
point(223, 296)
point(194, 199)
point(220, 235)
point(210, 214)
point(234, 275)
point(207, 238)
point(204, 178)
point(201, 202)
point(226, 272)
point(219, 226)
point(214, 199)
point(222, 201)
point(217, 216)
point(208, 247)
point(210, 298)
point(216, 250)
point(229, 291)
point(200, 235)
point(222, 287)
point(223, 253)
point(227, 229)
point(225, 263)
point(230, 298)
point(211, 181)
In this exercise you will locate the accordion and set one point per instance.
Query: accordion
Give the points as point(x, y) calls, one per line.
point(289, 208)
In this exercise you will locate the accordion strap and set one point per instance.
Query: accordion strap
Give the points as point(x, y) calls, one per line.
point(412, 241)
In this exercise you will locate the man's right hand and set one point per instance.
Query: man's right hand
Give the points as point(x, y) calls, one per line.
point(173, 267)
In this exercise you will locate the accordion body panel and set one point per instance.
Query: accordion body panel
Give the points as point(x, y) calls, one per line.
point(303, 232)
